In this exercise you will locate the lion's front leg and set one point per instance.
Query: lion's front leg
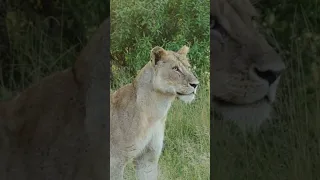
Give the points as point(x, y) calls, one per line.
point(147, 162)
point(117, 166)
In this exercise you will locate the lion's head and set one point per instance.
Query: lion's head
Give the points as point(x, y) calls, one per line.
point(172, 73)
point(246, 69)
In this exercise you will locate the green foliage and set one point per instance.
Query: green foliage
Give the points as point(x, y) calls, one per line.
point(296, 24)
point(138, 26)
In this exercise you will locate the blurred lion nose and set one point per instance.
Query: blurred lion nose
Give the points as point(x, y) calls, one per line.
point(194, 85)
point(268, 75)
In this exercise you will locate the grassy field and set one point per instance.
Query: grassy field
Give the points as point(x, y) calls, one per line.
point(289, 149)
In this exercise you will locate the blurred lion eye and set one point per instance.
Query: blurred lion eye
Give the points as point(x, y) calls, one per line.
point(175, 68)
point(217, 27)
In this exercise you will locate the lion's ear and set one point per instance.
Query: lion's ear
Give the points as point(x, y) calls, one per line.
point(156, 54)
point(184, 50)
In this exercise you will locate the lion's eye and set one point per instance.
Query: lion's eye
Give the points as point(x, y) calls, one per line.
point(175, 68)
point(216, 26)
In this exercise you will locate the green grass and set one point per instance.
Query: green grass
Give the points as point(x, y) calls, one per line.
point(187, 140)
point(187, 154)
point(289, 149)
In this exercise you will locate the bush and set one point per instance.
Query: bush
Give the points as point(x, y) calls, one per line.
point(138, 26)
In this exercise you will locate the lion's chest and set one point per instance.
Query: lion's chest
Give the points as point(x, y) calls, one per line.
point(149, 137)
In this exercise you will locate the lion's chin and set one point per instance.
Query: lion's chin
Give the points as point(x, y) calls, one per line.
point(245, 116)
point(187, 98)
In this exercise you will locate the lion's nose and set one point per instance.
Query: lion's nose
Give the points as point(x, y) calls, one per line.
point(194, 85)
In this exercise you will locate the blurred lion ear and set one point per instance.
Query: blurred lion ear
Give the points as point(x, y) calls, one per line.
point(157, 54)
point(184, 50)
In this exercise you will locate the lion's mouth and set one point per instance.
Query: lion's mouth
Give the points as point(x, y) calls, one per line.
point(182, 94)
point(223, 102)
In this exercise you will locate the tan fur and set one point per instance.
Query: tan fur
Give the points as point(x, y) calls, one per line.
point(240, 93)
point(54, 129)
point(138, 111)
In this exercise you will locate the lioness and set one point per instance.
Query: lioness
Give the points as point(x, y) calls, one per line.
point(246, 69)
point(56, 128)
point(138, 111)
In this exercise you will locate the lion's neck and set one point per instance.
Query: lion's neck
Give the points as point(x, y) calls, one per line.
point(151, 101)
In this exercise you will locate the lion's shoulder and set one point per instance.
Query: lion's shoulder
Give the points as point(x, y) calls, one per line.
point(123, 96)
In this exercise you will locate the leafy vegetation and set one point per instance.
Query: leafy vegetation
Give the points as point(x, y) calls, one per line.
point(136, 27)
